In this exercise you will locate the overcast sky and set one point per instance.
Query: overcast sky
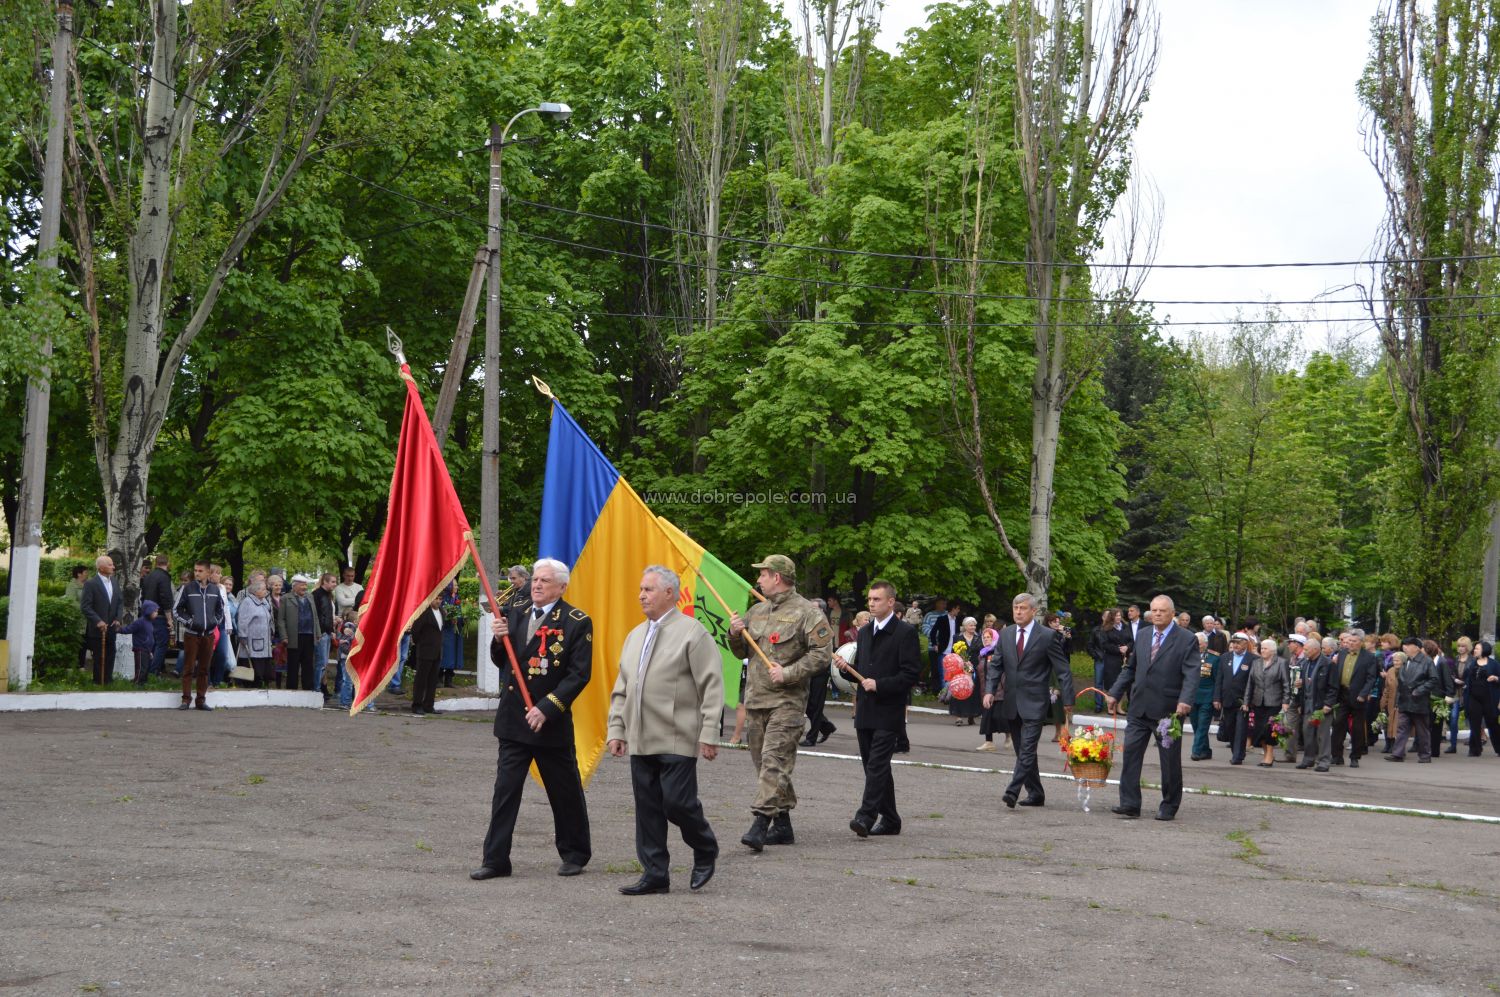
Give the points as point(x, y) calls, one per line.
point(1252, 137)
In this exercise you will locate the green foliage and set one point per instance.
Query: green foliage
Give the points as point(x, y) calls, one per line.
point(59, 626)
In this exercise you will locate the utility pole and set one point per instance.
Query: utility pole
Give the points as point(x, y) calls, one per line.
point(26, 545)
point(489, 471)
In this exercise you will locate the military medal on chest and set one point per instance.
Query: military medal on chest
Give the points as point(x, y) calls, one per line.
point(539, 664)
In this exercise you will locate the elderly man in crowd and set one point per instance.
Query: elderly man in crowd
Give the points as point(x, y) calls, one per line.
point(664, 712)
point(1356, 673)
point(103, 602)
point(1229, 695)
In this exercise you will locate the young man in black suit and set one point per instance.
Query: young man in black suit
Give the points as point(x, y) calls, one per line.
point(426, 654)
point(886, 654)
point(554, 645)
point(1160, 676)
point(1033, 660)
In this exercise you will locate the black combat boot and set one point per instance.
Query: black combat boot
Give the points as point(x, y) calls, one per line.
point(755, 838)
point(781, 830)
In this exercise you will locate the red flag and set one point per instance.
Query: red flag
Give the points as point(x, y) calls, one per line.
point(427, 539)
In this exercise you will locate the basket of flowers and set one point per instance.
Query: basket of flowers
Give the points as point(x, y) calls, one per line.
point(1089, 751)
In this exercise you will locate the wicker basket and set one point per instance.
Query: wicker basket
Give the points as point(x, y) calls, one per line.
point(1091, 772)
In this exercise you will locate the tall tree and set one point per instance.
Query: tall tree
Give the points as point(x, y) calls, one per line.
point(1432, 90)
point(1082, 77)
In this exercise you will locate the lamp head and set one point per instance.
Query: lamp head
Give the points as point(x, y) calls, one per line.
point(554, 111)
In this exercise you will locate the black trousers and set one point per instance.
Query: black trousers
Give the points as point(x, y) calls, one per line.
point(1138, 734)
point(1239, 724)
point(1024, 737)
point(666, 790)
point(1350, 720)
point(879, 800)
point(104, 663)
point(558, 766)
point(299, 663)
point(817, 695)
point(1481, 716)
point(424, 686)
point(935, 673)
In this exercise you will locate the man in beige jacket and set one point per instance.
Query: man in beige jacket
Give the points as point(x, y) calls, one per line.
point(665, 713)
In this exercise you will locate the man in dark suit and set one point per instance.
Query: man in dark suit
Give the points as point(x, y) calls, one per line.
point(157, 586)
point(426, 654)
point(1229, 693)
point(940, 642)
point(1160, 677)
point(103, 604)
point(1032, 659)
point(886, 654)
point(1356, 672)
point(1316, 689)
point(554, 644)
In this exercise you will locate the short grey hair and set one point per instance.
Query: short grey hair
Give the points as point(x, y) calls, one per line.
point(1202, 638)
point(1398, 658)
point(666, 575)
point(518, 569)
point(1329, 642)
point(1267, 641)
point(967, 620)
point(559, 570)
point(1170, 604)
point(101, 559)
point(1025, 597)
point(1356, 633)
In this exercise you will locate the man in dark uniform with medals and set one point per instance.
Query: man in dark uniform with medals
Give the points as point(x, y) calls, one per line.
point(554, 644)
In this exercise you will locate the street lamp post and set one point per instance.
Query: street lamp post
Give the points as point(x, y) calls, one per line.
point(489, 483)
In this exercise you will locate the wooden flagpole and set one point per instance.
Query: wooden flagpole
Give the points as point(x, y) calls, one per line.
point(510, 652)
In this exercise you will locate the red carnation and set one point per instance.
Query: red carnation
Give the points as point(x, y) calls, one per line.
point(774, 637)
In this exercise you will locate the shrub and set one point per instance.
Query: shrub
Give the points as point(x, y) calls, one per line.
point(60, 569)
point(58, 629)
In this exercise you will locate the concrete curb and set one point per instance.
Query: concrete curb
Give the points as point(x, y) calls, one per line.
point(219, 699)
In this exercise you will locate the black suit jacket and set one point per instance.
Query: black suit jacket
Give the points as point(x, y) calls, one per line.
point(1320, 685)
point(892, 658)
point(570, 662)
point(157, 586)
point(1156, 687)
point(943, 629)
point(1027, 682)
point(1229, 690)
point(1363, 682)
point(97, 606)
point(427, 638)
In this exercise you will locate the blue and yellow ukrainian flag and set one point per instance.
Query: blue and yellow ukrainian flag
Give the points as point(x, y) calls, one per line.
point(594, 522)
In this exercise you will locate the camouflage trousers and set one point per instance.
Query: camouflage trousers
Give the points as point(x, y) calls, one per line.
point(773, 735)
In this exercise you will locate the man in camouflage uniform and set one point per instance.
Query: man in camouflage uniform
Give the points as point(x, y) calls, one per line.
point(799, 642)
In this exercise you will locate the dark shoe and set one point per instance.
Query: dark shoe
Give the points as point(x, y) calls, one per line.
point(1393, 758)
point(810, 740)
point(1321, 768)
point(703, 871)
point(184, 705)
point(1236, 761)
point(1131, 812)
point(645, 886)
point(1424, 761)
point(448, 680)
point(1354, 763)
point(417, 711)
point(1195, 758)
point(781, 831)
point(204, 707)
point(570, 869)
point(1264, 765)
point(1033, 801)
point(490, 872)
point(903, 746)
point(859, 827)
point(884, 827)
point(1450, 750)
point(1306, 765)
point(824, 732)
point(1339, 760)
point(755, 838)
point(1010, 800)
point(1165, 814)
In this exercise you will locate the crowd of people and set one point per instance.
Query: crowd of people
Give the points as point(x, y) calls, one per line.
point(278, 632)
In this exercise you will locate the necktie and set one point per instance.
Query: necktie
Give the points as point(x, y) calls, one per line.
point(536, 615)
point(1020, 643)
point(1155, 644)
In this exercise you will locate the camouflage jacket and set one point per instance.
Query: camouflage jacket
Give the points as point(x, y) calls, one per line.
point(794, 635)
